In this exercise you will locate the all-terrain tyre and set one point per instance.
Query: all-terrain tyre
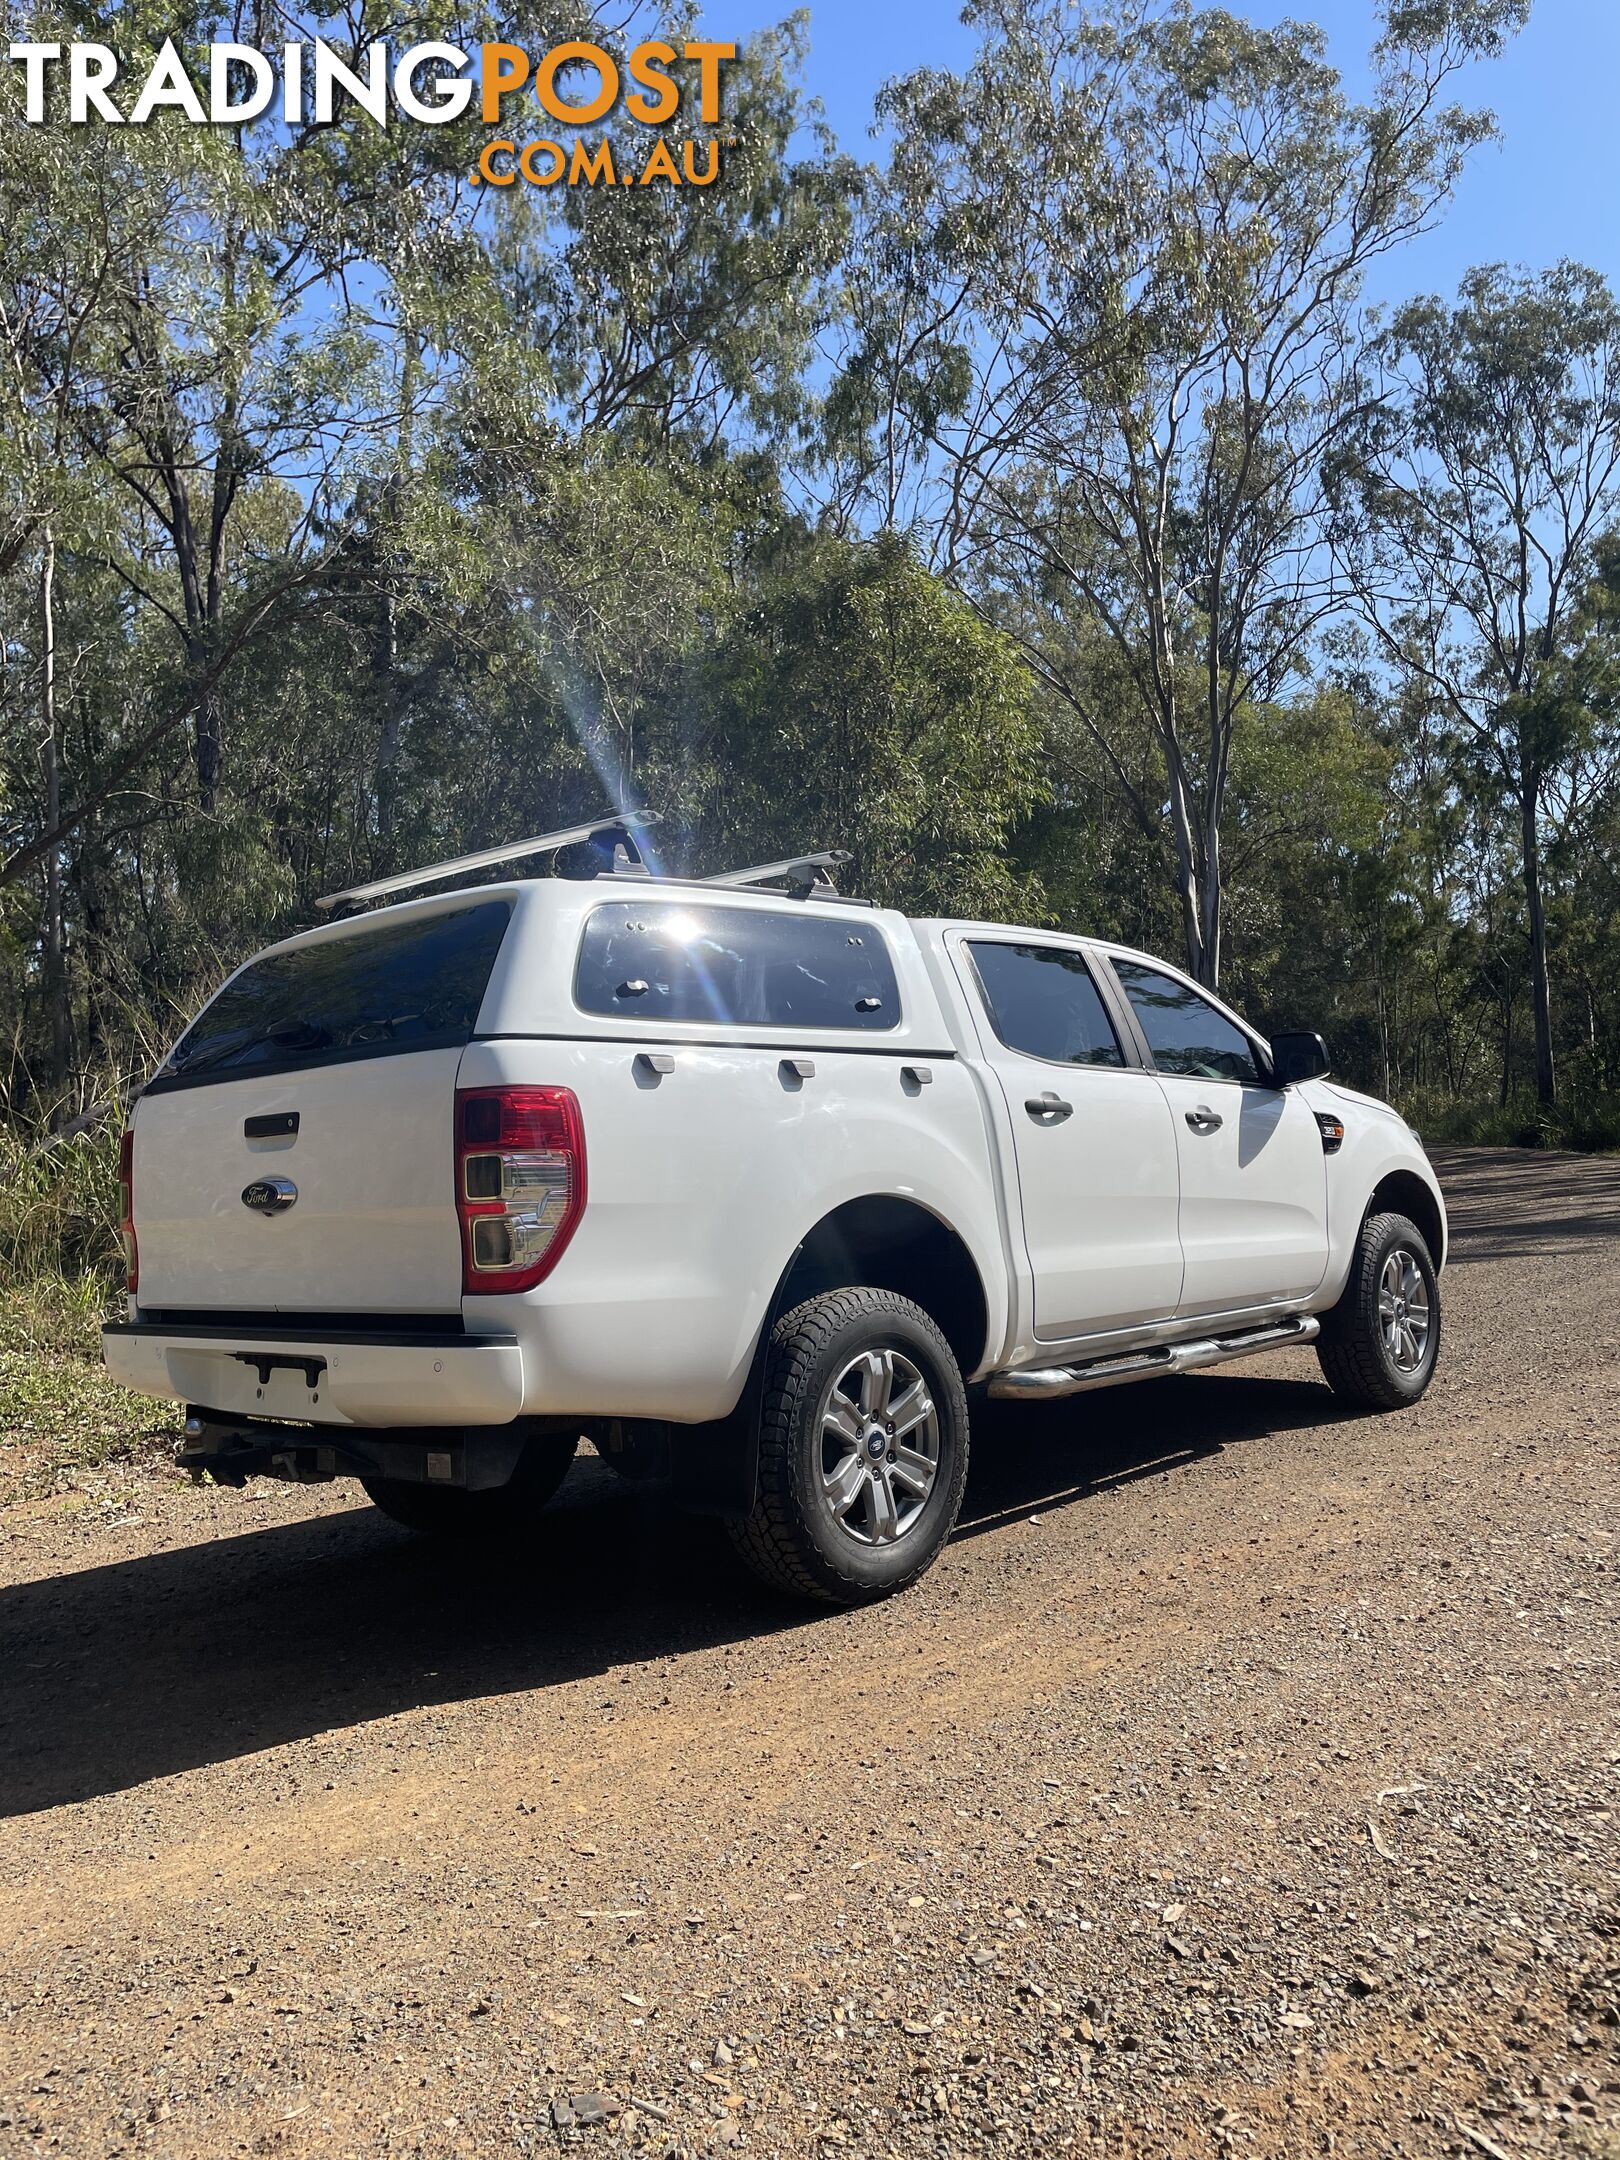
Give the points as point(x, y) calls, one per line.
point(1379, 1344)
point(863, 1449)
point(502, 1511)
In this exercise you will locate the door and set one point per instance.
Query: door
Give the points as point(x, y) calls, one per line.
point(1253, 1174)
point(1094, 1140)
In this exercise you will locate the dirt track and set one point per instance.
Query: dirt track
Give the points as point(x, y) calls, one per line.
point(1245, 1779)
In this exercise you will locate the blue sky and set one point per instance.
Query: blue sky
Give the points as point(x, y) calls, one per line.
point(1550, 187)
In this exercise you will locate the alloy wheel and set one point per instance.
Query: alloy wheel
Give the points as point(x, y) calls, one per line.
point(879, 1457)
point(1404, 1314)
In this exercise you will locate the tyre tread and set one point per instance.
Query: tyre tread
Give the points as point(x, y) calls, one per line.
point(1347, 1348)
point(775, 1540)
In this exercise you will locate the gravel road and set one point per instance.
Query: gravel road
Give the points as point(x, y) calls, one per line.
point(1245, 1779)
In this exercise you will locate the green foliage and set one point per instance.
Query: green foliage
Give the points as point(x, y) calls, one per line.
point(1587, 1121)
point(859, 702)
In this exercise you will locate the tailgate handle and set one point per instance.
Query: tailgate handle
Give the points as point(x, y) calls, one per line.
point(277, 1125)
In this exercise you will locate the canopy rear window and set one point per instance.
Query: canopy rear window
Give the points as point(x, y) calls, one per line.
point(374, 992)
point(673, 965)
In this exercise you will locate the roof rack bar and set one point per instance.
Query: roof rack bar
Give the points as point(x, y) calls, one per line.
point(624, 826)
point(806, 873)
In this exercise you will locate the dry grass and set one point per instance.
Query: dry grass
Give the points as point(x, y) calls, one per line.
point(60, 1414)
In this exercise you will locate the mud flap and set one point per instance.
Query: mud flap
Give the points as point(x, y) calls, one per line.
point(714, 1469)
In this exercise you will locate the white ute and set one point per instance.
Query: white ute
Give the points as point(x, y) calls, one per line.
point(746, 1182)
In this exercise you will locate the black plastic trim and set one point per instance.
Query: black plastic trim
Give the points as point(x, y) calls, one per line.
point(257, 1332)
point(242, 1320)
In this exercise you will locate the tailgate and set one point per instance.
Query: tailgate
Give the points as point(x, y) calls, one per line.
point(362, 1208)
point(296, 1153)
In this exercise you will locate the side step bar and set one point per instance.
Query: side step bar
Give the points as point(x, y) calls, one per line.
point(1047, 1382)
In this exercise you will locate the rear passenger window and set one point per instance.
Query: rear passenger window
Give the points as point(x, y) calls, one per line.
point(1184, 1031)
point(1042, 1000)
point(744, 967)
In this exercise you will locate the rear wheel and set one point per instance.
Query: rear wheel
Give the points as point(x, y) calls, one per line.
point(450, 1511)
point(1379, 1344)
point(863, 1449)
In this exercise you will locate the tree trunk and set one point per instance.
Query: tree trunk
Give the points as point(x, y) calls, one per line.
point(385, 648)
point(385, 679)
point(210, 750)
point(1529, 804)
point(54, 938)
point(1187, 879)
point(1209, 898)
point(1504, 1093)
point(1382, 1004)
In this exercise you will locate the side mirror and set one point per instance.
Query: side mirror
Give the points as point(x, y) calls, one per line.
point(1298, 1055)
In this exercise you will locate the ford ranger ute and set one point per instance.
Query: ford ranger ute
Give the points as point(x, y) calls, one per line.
point(746, 1182)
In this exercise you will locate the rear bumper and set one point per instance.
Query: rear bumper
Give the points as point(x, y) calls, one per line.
point(345, 1378)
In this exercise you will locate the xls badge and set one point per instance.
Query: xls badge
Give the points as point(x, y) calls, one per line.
point(269, 1195)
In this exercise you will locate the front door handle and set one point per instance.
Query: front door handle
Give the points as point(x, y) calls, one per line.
point(1048, 1107)
point(1204, 1119)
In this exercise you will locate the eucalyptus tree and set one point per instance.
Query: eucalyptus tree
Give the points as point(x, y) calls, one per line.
point(856, 699)
point(331, 337)
point(686, 317)
point(231, 393)
point(69, 254)
point(1478, 495)
point(1119, 268)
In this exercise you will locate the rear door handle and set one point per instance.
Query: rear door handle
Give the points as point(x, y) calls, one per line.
point(1203, 1119)
point(1048, 1106)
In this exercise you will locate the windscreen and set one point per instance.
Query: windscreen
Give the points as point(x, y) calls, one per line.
point(414, 985)
point(746, 967)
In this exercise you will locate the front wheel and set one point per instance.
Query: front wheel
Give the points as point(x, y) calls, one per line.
point(1379, 1344)
point(451, 1512)
point(863, 1449)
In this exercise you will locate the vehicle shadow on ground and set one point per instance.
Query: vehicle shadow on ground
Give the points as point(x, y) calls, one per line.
point(209, 1651)
point(1043, 1456)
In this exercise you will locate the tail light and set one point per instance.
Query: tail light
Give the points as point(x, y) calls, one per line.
point(520, 1183)
point(126, 1211)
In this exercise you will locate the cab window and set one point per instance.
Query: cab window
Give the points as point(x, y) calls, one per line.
point(1184, 1031)
point(1041, 1000)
